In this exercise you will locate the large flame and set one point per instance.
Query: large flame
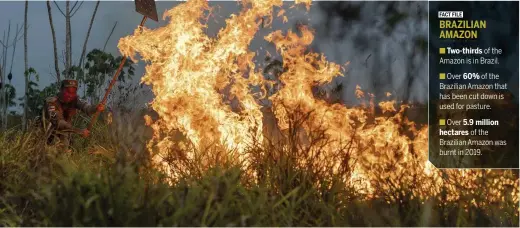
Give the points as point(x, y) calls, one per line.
point(209, 88)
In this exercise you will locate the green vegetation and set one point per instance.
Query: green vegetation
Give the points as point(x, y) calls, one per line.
point(108, 181)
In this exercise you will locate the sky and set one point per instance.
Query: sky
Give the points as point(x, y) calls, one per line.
point(386, 56)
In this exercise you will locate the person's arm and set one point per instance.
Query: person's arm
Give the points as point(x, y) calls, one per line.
point(56, 118)
point(86, 107)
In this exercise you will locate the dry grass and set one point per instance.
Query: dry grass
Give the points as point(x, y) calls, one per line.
point(109, 180)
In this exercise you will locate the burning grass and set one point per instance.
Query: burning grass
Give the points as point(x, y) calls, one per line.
point(110, 183)
point(208, 89)
point(211, 157)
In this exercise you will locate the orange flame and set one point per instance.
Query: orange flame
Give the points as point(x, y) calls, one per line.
point(204, 87)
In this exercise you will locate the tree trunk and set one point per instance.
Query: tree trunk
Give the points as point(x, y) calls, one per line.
point(3, 89)
point(4, 97)
point(56, 64)
point(25, 106)
point(88, 34)
point(2, 85)
point(67, 40)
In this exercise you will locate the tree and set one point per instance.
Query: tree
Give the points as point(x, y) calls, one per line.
point(24, 118)
point(68, 14)
point(10, 94)
point(100, 66)
point(28, 98)
point(34, 103)
point(88, 34)
point(94, 76)
point(55, 48)
point(6, 43)
point(35, 98)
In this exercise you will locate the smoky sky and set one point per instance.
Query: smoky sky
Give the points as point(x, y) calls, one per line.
point(379, 61)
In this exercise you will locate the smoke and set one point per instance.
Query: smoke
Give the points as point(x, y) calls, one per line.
point(381, 40)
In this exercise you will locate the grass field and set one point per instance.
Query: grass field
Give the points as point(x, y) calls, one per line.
point(108, 180)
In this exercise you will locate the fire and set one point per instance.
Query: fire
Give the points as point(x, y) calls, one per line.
point(190, 70)
point(209, 89)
